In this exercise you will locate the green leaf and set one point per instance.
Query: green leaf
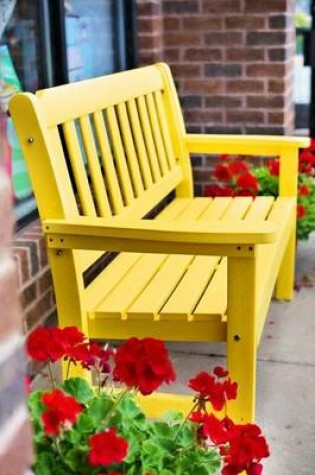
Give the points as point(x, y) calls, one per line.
point(99, 408)
point(35, 404)
point(78, 388)
point(75, 459)
point(45, 464)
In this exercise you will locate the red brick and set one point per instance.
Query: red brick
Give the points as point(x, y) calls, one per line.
point(202, 175)
point(203, 116)
point(245, 117)
point(171, 54)
point(222, 6)
point(203, 86)
point(149, 41)
point(181, 39)
point(242, 22)
point(150, 56)
point(171, 23)
point(265, 38)
point(151, 25)
point(39, 310)
point(276, 118)
point(277, 85)
point(223, 69)
point(145, 7)
point(265, 6)
point(245, 86)
point(186, 70)
point(180, 6)
point(265, 102)
point(203, 54)
point(280, 21)
point(245, 54)
point(202, 24)
point(265, 70)
point(224, 39)
point(223, 101)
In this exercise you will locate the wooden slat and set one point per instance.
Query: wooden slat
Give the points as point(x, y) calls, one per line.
point(130, 149)
point(94, 167)
point(216, 208)
point(214, 299)
point(194, 209)
point(164, 129)
point(259, 208)
point(148, 138)
point(156, 132)
point(174, 209)
point(118, 301)
point(188, 293)
point(77, 165)
point(139, 143)
point(156, 293)
point(237, 208)
point(120, 159)
point(108, 163)
point(109, 279)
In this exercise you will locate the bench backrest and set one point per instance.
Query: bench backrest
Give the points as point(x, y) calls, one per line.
point(109, 146)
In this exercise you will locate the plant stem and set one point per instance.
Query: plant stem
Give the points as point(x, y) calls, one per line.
point(114, 406)
point(185, 420)
point(52, 382)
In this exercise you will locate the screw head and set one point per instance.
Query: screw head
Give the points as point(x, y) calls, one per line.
point(237, 337)
point(30, 140)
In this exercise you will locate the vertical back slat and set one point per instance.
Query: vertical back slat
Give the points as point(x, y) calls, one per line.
point(157, 134)
point(139, 143)
point(122, 169)
point(147, 132)
point(164, 129)
point(108, 163)
point(130, 148)
point(77, 165)
point(94, 167)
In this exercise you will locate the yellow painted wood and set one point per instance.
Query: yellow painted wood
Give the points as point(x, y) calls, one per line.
point(148, 138)
point(288, 176)
point(174, 209)
point(157, 135)
point(194, 210)
point(168, 330)
point(158, 290)
point(237, 209)
point(130, 149)
point(94, 167)
point(118, 301)
point(79, 172)
point(259, 208)
point(120, 159)
point(241, 337)
point(216, 209)
point(164, 129)
point(108, 163)
point(139, 143)
point(214, 298)
point(186, 296)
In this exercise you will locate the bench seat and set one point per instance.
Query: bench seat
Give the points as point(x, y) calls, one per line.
point(160, 288)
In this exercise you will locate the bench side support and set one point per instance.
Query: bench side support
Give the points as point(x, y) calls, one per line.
point(241, 336)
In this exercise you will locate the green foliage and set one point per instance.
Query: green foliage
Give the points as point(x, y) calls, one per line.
point(158, 447)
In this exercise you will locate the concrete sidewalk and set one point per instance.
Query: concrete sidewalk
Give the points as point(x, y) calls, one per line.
point(286, 373)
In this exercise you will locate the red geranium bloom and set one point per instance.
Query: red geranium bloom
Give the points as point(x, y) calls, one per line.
point(236, 168)
point(304, 190)
point(107, 448)
point(217, 430)
point(61, 408)
point(247, 181)
point(216, 190)
point(93, 356)
point(143, 364)
point(216, 391)
point(45, 344)
point(197, 416)
point(222, 173)
point(220, 372)
point(273, 167)
point(300, 211)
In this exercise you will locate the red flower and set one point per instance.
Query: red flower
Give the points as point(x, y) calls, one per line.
point(300, 211)
point(247, 181)
point(197, 417)
point(107, 448)
point(45, 344)
point(220, 372)
point(93, 356)
point(217, 430)
point(236, 168)
point(222, 173)
point(216, 190)
point(143, 364)
point(304, 190)
point(273, 167)
point(61, 409)
point(216, 391)
point(246, 193)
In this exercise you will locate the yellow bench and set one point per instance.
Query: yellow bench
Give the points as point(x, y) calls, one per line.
point(102, 154)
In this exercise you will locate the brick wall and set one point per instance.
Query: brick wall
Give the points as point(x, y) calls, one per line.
point(232, 61)
point(15, 436)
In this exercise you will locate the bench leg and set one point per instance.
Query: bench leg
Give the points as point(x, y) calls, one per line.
point(241, 340)
point(285, 280)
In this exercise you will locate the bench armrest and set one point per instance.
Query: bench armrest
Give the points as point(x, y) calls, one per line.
point(286, 148)
point(243, 144)
point(217, 237)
